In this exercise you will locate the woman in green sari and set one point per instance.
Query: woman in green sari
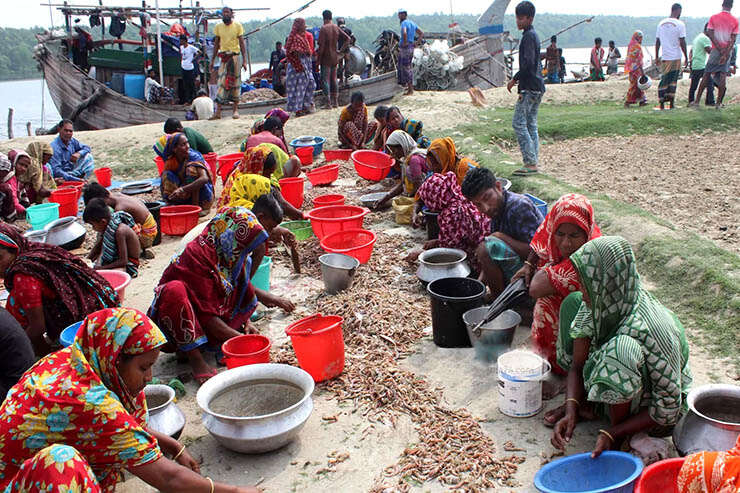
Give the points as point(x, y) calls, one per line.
point(625, 353)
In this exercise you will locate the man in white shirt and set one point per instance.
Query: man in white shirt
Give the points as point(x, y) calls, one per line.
point(671, 36)
point(187, 54)
point(203, 106)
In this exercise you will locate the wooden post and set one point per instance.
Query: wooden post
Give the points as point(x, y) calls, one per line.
point(10, 123)
point(249, 60)
point(28, 128)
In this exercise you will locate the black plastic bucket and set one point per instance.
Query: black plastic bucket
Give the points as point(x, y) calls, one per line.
point(432, 224)
point(154, 209)
point(451, 297)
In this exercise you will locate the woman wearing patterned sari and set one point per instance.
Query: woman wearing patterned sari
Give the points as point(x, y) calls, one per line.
point(186, 178)
point(711, 472)
point(633, 66)
point(35, 180)
point(626, 354)
point(77, 418)
point(442, 157)
point(205, 294)
point(354, 130)
point(299, 80)
point(412, 163)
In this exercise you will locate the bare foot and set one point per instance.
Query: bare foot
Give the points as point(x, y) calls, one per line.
point(552, 387)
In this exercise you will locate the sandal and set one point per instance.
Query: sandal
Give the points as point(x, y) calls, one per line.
point(525, 171)
point(202, 378)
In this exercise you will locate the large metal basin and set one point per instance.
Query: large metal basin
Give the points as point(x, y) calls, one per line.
point(65, 232)
point(257, 434)
point(164, 416)
point(338, 271)
point(713, 420)
point(493, 339)
point(439, 263)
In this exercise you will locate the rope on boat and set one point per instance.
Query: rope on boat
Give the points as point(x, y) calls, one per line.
point(270, 24)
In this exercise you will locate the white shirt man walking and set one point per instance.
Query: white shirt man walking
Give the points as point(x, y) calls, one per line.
point(671, 36)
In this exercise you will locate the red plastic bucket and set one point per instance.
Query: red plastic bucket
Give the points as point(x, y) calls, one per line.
point(246, 350)
point(305, 154)
point(160, 165)
point(333, 218)
point(324, 175)
point(357, 243)
point(67, 200)
point(660, 476)
point(328, 199)
point(104, 176)
point(319, 345)
point(177, 220)
point(212, 160)
point(77, 185)
point(292, 190)
point(226, 165)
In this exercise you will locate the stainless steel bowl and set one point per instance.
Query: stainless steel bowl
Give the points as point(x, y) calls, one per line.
point(713, 420)
point(438, 263)
point(36, 235)
point(256, 434)
point(65, 232)
point(338, 271)
point(163, 414)
point(493, 339)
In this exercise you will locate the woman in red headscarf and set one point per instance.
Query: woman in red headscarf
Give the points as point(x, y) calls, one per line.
point(299, 80)
point(548, 270)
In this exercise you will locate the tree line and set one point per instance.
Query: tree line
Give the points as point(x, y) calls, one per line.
point(16, 45)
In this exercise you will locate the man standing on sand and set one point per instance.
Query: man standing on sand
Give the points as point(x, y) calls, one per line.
point(228, 42)
point(409, 33)
point(188, 53)
point(328, 57)
point(671, 36)
point(700, 49)
point(275, 58)
point(612, 59)
point(531, 89)
point(722, 29)
point(552, 61)
point(343, 72)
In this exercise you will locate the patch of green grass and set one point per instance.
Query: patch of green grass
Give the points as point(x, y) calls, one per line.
point(563, 122)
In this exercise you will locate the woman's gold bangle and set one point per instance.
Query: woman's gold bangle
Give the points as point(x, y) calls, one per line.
point(527, 262)
point(211, 481)
point(573, 399)
point(607, 434)
point(179, 453)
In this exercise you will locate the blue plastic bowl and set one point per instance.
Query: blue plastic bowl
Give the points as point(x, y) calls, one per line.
point(67, 337)
point(317, 144)
point(614, 472)
point(541, 204)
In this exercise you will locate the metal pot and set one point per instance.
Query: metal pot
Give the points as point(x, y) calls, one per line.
point(438, 263)
point(338, 271)
point(713, 420)
point(357, 60)
point(493, 339)
point(36, 235)
point(66, 233)
point(163, 414)
point(256, 434)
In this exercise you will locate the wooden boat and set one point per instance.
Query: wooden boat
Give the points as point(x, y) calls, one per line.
point(92, 105)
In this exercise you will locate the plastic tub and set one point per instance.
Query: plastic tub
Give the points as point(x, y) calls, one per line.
point(316, 142)
point(261, 278)
point(319, 345)
point(118, 280)
point(160, 165)
point(357, 243)
point(301, 229)
point(292, 191)
point(450, 298)
point(226, 165)
point(328, 199)
point(67, 200)
point(613, 472)
point(104, 176)
point(305, 155)
point(520, 376)
point(337, 154)
point(67, 337)
point(324, 175)
point(539, 203)
point(39, 215)
point(660, 477)
point(245, 350)
point(372, 165)
point(211, 160)
point(77, 185)
point(333, 218)
point(177, 220)
point(133, 85)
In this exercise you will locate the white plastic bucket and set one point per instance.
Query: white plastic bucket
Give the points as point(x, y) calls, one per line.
point(520, 375)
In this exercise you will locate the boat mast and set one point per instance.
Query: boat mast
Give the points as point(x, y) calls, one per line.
point(159, 44)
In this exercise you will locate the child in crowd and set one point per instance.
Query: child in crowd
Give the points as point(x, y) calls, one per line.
point(381, 117)
point(561, 72)
point(145, 224)
point(118, 245)
point(597, 55)
point(514, 221)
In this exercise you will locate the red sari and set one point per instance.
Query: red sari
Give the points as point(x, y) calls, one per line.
point(574, 209)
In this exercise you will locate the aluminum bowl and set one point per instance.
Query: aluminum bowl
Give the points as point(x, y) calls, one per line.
point(65, 232)
point(164, 416)
point(713, 420)
point(438, 263)
point(36, 235)
point(493, 339)
point(256, 434)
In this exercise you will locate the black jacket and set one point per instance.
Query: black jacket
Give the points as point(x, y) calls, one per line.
point(530, 65)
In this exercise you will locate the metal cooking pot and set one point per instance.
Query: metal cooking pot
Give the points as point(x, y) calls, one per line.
point(164, 416)
point(65, 232)
point(338, 271)
point(36, 235)
point(438, 263)
point(357, 60)
point(256, 434)
point(713, 420)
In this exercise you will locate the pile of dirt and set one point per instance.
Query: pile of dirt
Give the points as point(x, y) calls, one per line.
point(260, 94)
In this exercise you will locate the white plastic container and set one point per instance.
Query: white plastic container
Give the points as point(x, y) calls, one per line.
point(520, 375)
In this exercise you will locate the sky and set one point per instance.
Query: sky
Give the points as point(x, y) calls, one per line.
point(28, 13)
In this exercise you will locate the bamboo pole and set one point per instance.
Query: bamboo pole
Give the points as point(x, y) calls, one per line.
point(159, 45)
point(28, 128)
point(10, 123)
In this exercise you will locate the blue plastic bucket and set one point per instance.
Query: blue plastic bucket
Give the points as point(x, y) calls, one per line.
point(67, 337)
point(541, 204)
point(261, 278)
point(40, 215)
point(611, 472)
point(133, 85)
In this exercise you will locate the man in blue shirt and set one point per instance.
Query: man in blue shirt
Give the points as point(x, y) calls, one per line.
point(531, 88)
point(514, 221)
point(71, 161)
point(409, 32)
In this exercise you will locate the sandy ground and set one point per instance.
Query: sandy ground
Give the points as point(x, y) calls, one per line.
point(374, 446)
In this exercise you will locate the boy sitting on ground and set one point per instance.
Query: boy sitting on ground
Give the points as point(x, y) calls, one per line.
point(118, 245)
point(146, 225)
point(514, 221)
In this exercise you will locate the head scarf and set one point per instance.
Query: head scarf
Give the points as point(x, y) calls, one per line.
point(165, 148)
point(634, 53)
point(297, 44)
point(238, 188)
point(259, 125)
point(253, 161)
point(280, 113)
point(6, 166)
point(76, 396)
point(404, 141)
point(572, 208)
point(34, 175)
point(445, 153)
point(79, 289)
point(15, 154)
